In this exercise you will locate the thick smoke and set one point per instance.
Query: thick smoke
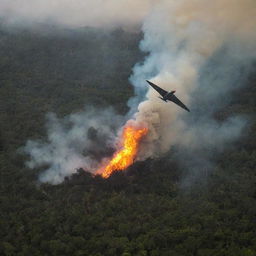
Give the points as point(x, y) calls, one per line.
point(79, 13)
point(77, 141)
point(197, 47)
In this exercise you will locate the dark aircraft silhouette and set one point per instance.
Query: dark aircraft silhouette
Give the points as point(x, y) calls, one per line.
point(168, 96)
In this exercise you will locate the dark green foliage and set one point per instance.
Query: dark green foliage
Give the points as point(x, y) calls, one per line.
point(141, 212)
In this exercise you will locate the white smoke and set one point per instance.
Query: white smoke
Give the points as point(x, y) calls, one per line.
point(73, 143)
point(183, 38)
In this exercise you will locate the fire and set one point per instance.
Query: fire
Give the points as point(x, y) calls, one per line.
point(124, 157)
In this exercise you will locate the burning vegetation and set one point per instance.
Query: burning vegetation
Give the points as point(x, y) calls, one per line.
point(125, 155)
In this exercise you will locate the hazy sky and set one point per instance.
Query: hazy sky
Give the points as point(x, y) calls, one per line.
point(75, 12)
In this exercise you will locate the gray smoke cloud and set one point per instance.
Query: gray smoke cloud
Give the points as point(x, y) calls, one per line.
point(73, 142)
point(197, 47)
point(93, 13)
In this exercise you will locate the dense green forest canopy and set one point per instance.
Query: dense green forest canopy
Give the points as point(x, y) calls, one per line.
point(145, 211)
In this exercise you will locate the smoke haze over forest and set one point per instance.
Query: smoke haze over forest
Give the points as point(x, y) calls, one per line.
point(78, 13)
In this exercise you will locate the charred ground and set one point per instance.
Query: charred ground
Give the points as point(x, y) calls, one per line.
point(145, 211)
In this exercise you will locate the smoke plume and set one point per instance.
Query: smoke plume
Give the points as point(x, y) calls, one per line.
point(198, 47)
point(77, 141)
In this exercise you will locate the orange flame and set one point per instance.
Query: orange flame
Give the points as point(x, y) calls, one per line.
point(124, 157)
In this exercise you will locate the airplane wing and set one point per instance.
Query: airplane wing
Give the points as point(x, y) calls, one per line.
point(174, 99)
point(161, 91)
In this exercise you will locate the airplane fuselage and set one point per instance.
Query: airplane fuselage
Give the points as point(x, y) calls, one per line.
point(166, 96)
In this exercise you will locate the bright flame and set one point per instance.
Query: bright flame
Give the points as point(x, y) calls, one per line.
point(124, 157)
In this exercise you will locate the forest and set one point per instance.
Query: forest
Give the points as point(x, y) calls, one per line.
point(145, 211)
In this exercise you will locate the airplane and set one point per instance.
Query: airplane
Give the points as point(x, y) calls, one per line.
point(168, 95)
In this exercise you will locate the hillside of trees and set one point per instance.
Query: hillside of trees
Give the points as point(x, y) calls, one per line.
point(143, 212)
